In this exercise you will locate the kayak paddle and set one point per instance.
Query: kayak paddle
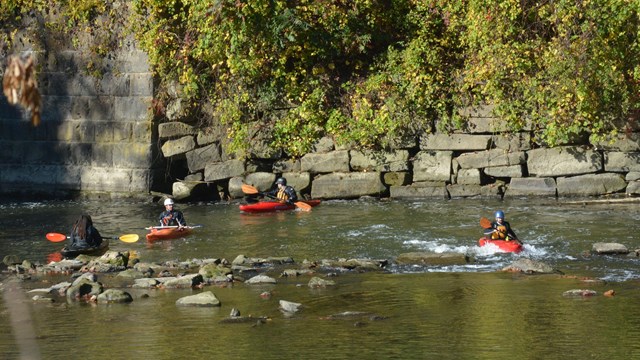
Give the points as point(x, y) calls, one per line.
point(485, 223)
point(172, 227)
point(128, 238)
point(251, 190)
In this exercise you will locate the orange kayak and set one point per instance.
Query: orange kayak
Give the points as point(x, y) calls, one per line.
point(158, 233)
point(504, 245)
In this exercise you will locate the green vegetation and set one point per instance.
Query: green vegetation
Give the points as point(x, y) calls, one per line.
point(369, 71)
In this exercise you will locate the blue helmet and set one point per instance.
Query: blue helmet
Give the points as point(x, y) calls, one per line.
point(499, 214)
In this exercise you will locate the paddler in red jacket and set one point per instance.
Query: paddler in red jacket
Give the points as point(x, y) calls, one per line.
point(171, 216)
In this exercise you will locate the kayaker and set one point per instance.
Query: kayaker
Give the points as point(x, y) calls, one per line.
point(83, 234)
point(283, 192)
point(501, 228)
point(171, 216)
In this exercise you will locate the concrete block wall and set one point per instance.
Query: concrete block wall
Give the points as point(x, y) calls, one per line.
point(96, 135)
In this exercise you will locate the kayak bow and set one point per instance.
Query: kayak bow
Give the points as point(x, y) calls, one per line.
point(504, 245)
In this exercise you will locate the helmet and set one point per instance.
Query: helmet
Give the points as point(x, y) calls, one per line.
point(282, 181)
point(499, 214)
point(168, 202)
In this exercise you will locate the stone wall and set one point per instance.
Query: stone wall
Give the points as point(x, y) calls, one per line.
point(485, 161)
point(96, 135)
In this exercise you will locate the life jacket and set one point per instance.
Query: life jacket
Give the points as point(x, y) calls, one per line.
point(167, 218)
point(282, 195)
point(501, 232)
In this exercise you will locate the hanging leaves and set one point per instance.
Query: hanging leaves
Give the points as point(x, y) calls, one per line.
point(20, 86)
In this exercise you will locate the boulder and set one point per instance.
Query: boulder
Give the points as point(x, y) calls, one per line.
point(261, 279)
point(530, 267)
point(113, 296)
point(609, 248)
point(204, 299)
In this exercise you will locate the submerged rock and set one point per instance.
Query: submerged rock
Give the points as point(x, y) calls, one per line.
point(111, 296)
point(579, 293)
point(609, 248)
point(204, 299)
point(530, 267)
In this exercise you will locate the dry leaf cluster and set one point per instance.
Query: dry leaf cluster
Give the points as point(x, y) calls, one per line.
point(20, 86)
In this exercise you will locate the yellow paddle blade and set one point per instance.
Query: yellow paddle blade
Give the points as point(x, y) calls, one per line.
point(129, 238)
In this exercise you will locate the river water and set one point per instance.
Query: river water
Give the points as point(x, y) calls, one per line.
point(421, 312)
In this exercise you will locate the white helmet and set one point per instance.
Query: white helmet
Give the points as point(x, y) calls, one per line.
point(168, 202)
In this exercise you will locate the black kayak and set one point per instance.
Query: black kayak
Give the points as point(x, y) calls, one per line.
point(70, 253)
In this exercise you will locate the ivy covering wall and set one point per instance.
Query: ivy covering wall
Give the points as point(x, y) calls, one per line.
point(369, 71)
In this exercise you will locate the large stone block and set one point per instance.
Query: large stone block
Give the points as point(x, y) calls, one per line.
point(382, 161)
point(473, 190)
point(347, 185)
point(141, 84)
point(432, 166)
point(286, 165)
point(396, 178)
point(461, 142)
point(198, 158)
point(127, 108)
point(224, 170)
point(531, 187)
point(263, 181)
point(624, 143)
point(409, 192)
point(178, 146)
point(133, 155)
point(335, 161)
point(591, 184)
point(105, 179)
point(513, 171)
point(633, 188)
point(489, 158)
point(615, 161)
point(512, 142)
point(468, 177)
point(301, 181)
point(175, 129)
point(563, 161)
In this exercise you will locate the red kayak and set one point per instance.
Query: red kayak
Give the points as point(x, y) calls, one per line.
point(504, 245)
point(271, 206)
point(167, 233)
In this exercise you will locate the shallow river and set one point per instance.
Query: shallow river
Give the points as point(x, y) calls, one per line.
point(455, 312)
